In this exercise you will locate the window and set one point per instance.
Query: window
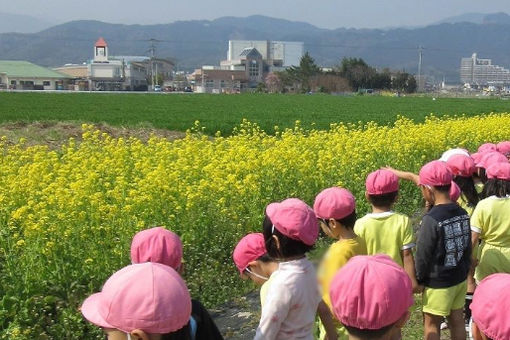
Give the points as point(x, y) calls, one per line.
point(222, 83)
point(253, 69)
point(13, 82)
point(46, 83)
point(209, 83)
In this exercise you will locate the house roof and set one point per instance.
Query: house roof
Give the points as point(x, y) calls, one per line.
point(101, 43)
point(251, 52)
point(25, 69)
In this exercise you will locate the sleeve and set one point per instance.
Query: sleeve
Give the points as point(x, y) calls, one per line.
point(407, 235)
point(426, 248)
point(477, 220)
point(274, 312)
point(206, 328)
point(358, 229)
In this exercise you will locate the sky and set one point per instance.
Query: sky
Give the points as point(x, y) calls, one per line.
point(321, 13)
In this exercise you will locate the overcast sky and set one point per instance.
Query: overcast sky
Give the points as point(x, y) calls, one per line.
point(322, 13)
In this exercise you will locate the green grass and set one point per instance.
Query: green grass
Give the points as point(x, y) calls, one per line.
point(223, 112)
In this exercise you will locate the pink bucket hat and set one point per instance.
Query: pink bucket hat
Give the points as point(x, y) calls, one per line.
point(461, 165)
point(294, 219)
point(454, 192)
point(504, 147)
point(381, 182)
point(499, 171)
point(435, 173)
point(334, 203)
point(157, 245)
point(449, 153)
point(487, 147)
point(490, 158)
point(249, 249)
point(147, 296)
point(370, 292)
point(491, 306)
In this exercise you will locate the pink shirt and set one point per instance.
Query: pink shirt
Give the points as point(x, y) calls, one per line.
point(291, 303)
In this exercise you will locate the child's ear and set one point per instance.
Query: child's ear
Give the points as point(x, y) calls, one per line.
point(332, 222)
point(138, 334)
point(254, 264)
point(276, 242)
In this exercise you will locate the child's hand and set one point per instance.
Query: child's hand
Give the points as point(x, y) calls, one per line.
point(418, 289)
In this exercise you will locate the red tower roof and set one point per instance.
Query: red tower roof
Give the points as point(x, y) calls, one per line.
point(101, 43)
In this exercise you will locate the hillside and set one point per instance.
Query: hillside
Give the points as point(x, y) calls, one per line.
point(193, 43)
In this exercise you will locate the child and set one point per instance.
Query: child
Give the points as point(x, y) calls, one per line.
point(463, 168)
point(371, 296)
point(443, 253)
point(251, 259)
point(491, 308)
point(160, 245)
point(491, 223)
point(253, 262)
point(485, 161)
point(336, 210)
point(504, 148)
point(383, 230)
point(141, 301)
point(290, 231)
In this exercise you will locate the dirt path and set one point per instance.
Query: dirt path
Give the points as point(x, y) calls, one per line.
point(54, 134)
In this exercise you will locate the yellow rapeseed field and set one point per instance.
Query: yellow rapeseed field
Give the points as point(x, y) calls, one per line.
point(67, 216)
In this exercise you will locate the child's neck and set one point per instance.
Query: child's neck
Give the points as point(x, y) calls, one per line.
point(378, 210)
point(346, 234)
point(269, 268)
point(441, 199)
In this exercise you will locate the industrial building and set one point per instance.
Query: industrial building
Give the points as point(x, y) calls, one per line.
point(481, 72)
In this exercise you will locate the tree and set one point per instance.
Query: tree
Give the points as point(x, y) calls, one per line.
point(273, 83)
point(358, 73)
point(404, 82)
point(302, 74)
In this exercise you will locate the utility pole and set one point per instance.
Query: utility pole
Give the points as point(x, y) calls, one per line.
point(153, 52)
point(420, 57)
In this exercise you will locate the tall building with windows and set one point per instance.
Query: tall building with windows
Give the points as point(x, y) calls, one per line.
point(477, 71)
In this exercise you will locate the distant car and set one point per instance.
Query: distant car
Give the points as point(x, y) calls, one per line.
point(188, 89)
point(157, 88)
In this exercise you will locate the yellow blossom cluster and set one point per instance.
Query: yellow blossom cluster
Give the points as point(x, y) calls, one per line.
point(67, 216)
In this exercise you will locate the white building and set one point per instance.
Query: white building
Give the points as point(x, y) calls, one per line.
point(476, 71)
point(276, 54)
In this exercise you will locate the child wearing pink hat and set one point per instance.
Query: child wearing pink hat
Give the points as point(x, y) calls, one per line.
point(463, 167)
point(253, 262)
point(290, 230)
point(504, 148)
point(141, 301)
point(490, 223)
point(159, 245)
point(371, 296)
point(443, 254)
point(491, 308)
point(385, 231)
point(336, 210)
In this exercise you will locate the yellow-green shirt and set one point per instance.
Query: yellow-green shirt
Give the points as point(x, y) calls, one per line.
point(335, 258)
point(386, 233)
point(491, 219)
point(263, 291)
point(463, 202)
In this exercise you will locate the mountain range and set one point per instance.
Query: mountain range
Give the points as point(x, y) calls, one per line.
point(198, 42)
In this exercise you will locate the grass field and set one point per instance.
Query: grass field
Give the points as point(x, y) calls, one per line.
point(223, 112)
point(68, 212)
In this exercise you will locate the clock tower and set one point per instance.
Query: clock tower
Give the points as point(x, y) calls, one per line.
point(100, 51)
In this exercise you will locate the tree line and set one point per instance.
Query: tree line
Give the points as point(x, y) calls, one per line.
point(352, 74)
